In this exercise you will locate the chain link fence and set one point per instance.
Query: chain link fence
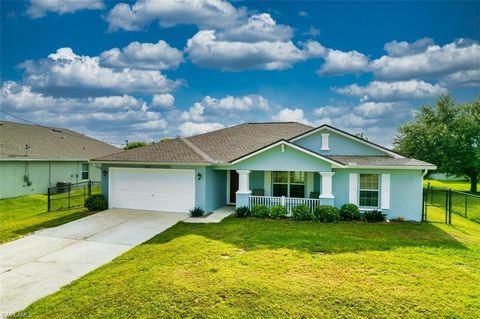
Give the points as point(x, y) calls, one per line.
point(66, 195)
point(442, 203)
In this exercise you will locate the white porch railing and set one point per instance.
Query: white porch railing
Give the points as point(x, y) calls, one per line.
point(288, 202)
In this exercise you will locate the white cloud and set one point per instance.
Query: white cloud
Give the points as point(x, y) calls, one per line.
point(240, 103)
point(195, 113)
point(330, 111)
point(400, 90)
point(190, 128)
point(303, 13)
point(377, 109)
point(403, 48)
point(339, 62)
point(291, 115)
point(259, 27)
point(313, 32)
point(163, 101)
point(66, 70)
point(202, 13)
point(434, 61)
point(149, 56)
point(206, 50)
point(39, 8)
point(114, 118)
point(470, 78)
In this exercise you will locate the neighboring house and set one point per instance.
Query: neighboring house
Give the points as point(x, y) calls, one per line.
point(265, 163)
point(33, 158)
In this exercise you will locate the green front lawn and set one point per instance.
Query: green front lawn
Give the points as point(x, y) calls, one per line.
point(23, 215)
point(253, 268)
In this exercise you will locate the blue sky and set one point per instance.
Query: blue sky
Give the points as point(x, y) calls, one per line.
point(142, 70)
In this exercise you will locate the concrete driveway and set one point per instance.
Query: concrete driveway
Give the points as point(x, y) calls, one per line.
point(38, 265)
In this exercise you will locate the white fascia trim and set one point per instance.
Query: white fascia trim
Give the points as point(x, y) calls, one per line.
point(391, 167)
point(152, 163)
point(347, 136)
point(335, 164)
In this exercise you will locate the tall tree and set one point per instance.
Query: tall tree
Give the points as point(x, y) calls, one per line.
point(135, 144)
point(446, 134)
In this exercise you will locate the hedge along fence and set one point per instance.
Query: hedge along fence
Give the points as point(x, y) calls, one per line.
point(460, 203)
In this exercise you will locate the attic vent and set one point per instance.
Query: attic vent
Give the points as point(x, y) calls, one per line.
point(56, 130)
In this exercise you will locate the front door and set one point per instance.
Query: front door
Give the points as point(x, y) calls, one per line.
point(233, 186)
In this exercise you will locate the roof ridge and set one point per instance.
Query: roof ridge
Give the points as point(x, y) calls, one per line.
point(199, 152)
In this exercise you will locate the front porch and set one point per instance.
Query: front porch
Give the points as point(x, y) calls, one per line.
point(285, 188)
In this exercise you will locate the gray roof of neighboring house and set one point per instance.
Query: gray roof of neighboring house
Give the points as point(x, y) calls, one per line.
point(231, 143)
point(48, 143)
point(352, 160)
point(218, 146)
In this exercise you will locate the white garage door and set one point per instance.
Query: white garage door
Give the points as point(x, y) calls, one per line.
point(168, 190)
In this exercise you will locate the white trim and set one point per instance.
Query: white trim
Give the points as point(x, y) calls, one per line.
point(241, 159)
point(267, 183)
point(325, 142)
point(385, 191)
point(353, 188)
point(126, 163)
point(433, 167)
point(332, 129)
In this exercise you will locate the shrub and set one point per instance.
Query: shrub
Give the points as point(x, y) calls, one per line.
point(197, 212)
point(242, 212)
point(301, 212)
point(326, 214)
point(96, 202)
point(260, 211)
point(373, 216)
point(278, 211)
point(350, 212)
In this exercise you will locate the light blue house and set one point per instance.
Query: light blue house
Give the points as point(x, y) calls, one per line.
point(265, 163)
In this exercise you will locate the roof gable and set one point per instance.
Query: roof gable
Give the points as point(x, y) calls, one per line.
point(342, 143)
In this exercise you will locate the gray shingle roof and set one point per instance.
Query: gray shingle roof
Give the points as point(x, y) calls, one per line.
point(218, 146)
point(48, 143)
point(377, 161)
point(231, 143)
point(176, 150)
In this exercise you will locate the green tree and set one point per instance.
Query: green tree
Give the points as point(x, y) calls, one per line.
point(446, 134)
point(136, 144)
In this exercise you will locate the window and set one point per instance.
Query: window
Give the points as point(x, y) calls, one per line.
point(369, 189)
point(85, 171)
point(289, 184)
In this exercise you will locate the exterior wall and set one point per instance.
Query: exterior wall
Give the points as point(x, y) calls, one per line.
point(289, 160)
point(42, 174)
point(405, 191)
point(215, 188)
point(209, 190)
point(338, 144)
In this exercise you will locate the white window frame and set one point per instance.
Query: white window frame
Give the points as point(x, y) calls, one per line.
point(360, 189)
point(288, 183)
point(87, 171)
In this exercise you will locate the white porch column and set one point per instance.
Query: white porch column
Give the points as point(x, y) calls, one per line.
point(326, 196)
point(244, 191)
point(243, 181)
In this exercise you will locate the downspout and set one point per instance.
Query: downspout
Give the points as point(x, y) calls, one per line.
point(425, 171)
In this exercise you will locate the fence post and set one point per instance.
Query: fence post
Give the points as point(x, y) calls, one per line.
point(49, 205)
point(466, 205)
point(449, 206)
point(423, 204)
point(283, 200)
point(69, 190)
point(89, 187)
point(446, 207)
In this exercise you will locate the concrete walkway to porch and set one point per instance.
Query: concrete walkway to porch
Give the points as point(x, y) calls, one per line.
point(215, 217)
